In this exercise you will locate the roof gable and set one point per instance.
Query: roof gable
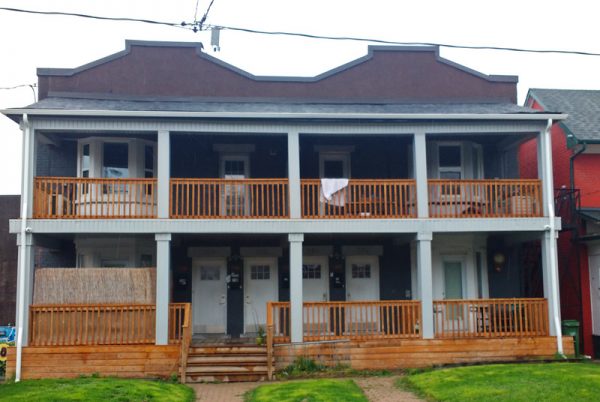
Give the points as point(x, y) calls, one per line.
point(183, 70)
point(582, 106)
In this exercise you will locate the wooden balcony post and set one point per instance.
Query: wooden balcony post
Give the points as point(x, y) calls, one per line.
point(294, 173)
point(425, 282)
point(163, 259)
point(296, 300)
point(420, 173)
point(163, 176)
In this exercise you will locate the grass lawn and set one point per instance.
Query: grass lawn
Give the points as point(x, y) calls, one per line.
point(509, 382)
point(95, 389)
point(321, 390)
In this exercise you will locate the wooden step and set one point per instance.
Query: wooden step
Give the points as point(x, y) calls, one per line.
point(226, 360)
point(226, 363)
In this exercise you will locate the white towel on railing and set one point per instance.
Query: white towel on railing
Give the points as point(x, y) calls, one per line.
point(331, 191)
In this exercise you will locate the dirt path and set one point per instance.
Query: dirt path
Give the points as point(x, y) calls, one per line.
point(377, 389)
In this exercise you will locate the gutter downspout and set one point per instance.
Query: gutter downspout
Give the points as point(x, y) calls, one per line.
point(552, 228)
point(24, 206)
point(572, 164)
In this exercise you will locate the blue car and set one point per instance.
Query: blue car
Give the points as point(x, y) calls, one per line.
point(7, 334)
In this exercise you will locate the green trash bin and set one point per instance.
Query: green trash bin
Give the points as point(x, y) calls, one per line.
point(571, 328)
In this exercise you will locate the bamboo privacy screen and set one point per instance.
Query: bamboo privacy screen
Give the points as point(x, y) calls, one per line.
point(94, 285)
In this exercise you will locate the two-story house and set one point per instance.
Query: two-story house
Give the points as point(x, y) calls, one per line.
point(575, 149)
point(176, 207)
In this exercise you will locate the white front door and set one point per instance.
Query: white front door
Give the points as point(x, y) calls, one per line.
point(362, 278)
point(260, 287)
point(209, 295)
point(315, 274)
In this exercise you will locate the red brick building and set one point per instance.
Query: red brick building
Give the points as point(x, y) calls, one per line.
point(576, 160)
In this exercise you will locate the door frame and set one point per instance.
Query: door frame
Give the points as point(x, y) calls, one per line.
point(375, 274)
point(324, 261)
point(274, 279)
point(197, 262)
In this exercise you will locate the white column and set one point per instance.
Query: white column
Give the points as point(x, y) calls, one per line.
point(294, 173)
point(543, 170)
point(550, 280)
point(420, 170)
point(163, 263)
point(296, 300)
point(25, 280)
point(425, 282)
point(163, 174)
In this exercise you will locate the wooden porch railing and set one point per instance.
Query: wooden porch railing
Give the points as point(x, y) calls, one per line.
point(360, 320)
point(186, 340)
point(108, 324)
point(364, 198)
point(485, 198)
point(490, 318)
point(229, 198)
point(81, 198)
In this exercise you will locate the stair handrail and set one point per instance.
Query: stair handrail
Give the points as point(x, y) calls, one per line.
point(269, 341)
point(185, 340)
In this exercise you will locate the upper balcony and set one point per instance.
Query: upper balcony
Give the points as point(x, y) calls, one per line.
point(247, 177)
point(85, 198)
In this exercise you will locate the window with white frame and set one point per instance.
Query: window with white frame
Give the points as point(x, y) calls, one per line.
point(148, 161)
point(450, 162)
point(361, 271)
point(260, 272)
point(115, 160)
point(85, 160)
point(311, 271)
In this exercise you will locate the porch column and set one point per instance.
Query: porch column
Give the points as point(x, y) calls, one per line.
point(425, 283)
point(164, 174)
point(420, 172)
point(294, 173)
point(163, 262)
point(296, 301)
point(25, 285)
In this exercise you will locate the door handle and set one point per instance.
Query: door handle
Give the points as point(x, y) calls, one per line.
point(324, 296)
point(223, 300)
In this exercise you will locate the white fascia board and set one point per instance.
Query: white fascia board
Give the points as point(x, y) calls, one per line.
point(253, 115)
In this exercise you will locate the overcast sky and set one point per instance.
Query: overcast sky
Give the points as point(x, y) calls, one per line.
point(31, 41)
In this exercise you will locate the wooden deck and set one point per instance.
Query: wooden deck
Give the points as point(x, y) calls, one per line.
point(414, 353)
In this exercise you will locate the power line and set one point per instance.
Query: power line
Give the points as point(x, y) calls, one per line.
point(97, 17)
point(198, 25)
point(389, 42)
point(18, 86)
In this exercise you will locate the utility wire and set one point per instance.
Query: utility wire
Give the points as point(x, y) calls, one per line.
point(97, 17)
point(196, 11)
point(195, 26)
point(206, 14)
point(32, 86)
point(389, 42)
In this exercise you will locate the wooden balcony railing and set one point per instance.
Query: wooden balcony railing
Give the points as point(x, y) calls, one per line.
point(109, 324)
point(485, 198)
point(81, 198)
point(229, 198)
point(490, 318)
point(360, 320)
point(370, 198)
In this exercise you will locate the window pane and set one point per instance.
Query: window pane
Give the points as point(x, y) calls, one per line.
point(85, 160)
point(450, 175)
point(361, 271)
point(149, 157)
point(333, 169)
point(115, 160)
point(450, 156)
point(234, 168)
point(210, 273)
point(311, 271)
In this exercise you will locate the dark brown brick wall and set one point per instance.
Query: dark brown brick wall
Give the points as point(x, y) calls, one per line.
point(9, 209)
point(181, 72)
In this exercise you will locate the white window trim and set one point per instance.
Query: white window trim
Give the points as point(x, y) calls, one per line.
point(223, 157)
point(460, 169)
point(343, 156)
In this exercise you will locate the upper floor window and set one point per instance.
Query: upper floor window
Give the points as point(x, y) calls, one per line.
point(85, 160)
point(116, 160)
point(450, 162)
point(148, 161)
